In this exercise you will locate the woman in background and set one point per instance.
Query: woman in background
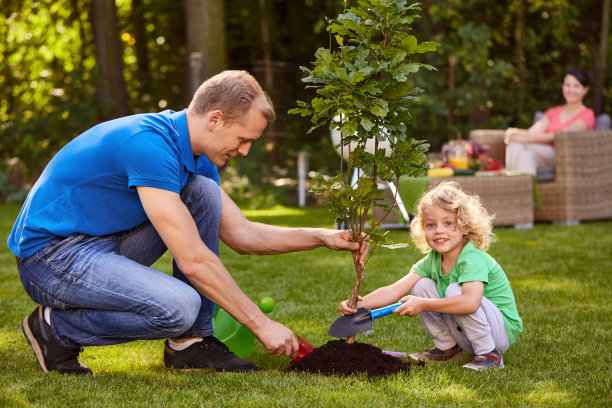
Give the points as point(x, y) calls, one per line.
point(528, 149)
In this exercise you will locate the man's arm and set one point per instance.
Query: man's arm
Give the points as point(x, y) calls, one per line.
point(250, 237)
point(206, 272)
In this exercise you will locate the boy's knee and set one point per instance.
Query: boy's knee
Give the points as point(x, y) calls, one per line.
point(424, 288)
point(453, 290)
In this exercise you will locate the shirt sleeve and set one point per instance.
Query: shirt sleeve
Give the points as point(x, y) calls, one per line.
point(473, 268)
point(424, 267)
point(148, 160)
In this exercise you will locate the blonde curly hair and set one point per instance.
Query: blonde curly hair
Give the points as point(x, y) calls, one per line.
point(472, 218)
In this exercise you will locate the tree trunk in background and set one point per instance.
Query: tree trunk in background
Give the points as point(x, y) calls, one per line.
point(450, 103)
point(75, 12)
point(112, 94)
point(600, 57)
point(268, 84)
point(206, 45)
point(140, 48)
point(519, 33)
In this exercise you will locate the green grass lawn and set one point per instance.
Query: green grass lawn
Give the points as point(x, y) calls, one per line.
point(561, 280)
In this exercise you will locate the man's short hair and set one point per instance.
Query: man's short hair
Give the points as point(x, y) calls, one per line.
point(233, 93)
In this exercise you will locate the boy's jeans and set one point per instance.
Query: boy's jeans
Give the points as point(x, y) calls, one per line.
point(477, 333)
point(102, 290)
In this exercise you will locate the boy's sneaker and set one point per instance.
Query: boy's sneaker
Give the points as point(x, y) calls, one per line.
point(210, 352)
point(492, 359)
point(51, 355)
point(435, 354)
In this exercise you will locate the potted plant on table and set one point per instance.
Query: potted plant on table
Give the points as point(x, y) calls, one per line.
point(365, 87)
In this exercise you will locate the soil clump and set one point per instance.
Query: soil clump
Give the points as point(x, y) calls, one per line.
point(337, 357)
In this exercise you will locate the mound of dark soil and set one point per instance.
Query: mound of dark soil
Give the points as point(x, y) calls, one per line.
point(338, 357)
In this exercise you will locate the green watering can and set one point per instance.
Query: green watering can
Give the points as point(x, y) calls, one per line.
point(234, 335)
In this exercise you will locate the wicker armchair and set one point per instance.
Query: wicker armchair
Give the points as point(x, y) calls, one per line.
point(582, 187)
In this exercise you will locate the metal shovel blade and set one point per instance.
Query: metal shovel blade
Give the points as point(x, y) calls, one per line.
point(361, 321)
point(349, 325)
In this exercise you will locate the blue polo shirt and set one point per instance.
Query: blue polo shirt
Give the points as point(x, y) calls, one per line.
point(89, 185)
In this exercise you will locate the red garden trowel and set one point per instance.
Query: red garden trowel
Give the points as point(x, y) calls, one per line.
point(349, 325)
point(305, 348)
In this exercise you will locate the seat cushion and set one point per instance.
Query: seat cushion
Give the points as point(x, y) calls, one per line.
point(602, 122)
point(545, 173)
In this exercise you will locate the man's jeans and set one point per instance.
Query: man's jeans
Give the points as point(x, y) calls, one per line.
point(102, 290)
point(477, 333)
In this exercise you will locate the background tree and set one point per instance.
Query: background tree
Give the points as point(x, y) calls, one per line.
point(112, 94)
point(206, 51)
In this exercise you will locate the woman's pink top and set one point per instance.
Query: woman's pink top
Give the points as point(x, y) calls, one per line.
point(554, 118)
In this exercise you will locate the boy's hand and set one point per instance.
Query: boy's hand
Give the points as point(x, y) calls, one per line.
point(412, 306)
point(345, 309)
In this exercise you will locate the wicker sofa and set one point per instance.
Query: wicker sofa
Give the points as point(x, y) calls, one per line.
point(582, 185)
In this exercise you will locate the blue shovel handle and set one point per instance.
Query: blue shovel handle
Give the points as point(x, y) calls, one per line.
point(384, 311)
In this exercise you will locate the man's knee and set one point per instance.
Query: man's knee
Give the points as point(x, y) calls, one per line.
point(182, 312)
point(202, 191)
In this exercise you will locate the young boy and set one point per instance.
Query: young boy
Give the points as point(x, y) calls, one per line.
point(462, 295)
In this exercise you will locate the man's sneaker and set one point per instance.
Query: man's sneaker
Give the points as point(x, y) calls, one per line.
point(210, 352)
point(51, 355)
point(492, 359)
point(435, 354)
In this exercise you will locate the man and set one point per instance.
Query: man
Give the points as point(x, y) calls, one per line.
point(114, 199)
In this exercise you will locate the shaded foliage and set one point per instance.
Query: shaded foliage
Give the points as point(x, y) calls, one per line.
point(49, 77)
point(48, 72)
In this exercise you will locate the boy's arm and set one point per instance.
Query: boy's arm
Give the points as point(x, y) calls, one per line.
point(383, 296)
point(466, 303)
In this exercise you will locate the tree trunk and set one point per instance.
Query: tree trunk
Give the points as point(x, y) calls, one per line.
point(355, 292)
point(140, 48)
point(206, 45)
point(519, 32)
point(268, 76)
point(112, 94)
point(600, 58)
point(452, 63)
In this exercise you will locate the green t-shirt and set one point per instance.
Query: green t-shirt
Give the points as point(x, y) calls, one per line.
point(475, 264)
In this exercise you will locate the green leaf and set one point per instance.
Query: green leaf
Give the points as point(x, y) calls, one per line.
point(355, 77)
point(380, 107)
point(427, 46)
point(367, 124)
point(348, 128)
point(350, 21)
point(300, 111)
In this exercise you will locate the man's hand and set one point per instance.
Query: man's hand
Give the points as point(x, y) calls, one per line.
point(277, 339)
point(342, 241)
point(412, 306)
